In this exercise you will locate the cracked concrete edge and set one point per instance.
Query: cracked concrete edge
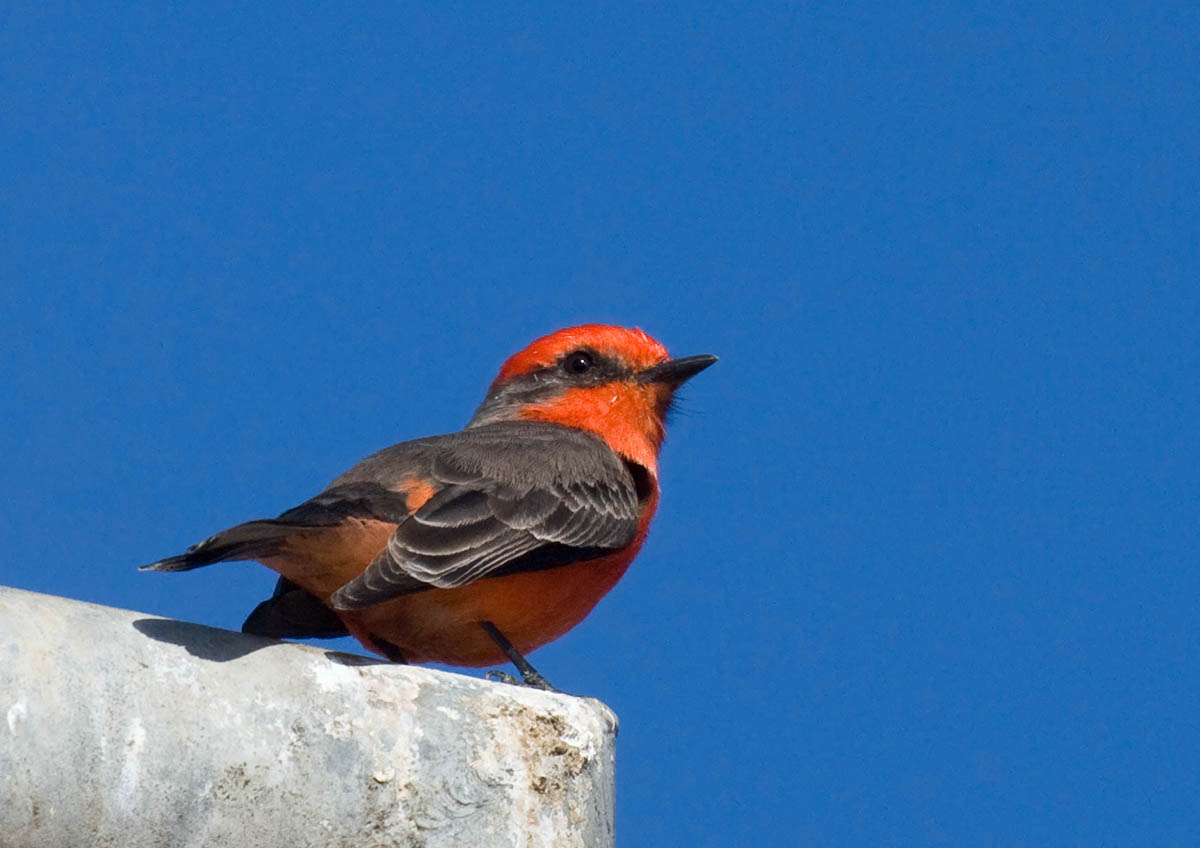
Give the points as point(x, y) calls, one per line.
point(129, 730)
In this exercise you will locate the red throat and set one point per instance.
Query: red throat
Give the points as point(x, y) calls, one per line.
point(625, 415)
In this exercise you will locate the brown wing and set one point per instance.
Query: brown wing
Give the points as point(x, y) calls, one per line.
point(511, 496)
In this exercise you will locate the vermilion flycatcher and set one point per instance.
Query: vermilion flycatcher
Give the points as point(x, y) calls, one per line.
point(489, 542)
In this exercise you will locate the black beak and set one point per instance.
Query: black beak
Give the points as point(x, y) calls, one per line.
point(676, 372)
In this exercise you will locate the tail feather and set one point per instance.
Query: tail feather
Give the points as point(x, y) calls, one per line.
point(251, 540)
point(292, 613)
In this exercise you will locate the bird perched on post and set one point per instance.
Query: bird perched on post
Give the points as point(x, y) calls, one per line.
point(484, 544)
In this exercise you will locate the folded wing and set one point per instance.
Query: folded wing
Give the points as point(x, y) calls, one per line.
point(509, 497)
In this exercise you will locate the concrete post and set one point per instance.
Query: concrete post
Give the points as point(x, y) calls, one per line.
point(121, 729)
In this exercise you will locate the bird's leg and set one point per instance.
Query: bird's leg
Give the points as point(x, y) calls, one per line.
point(529, 674)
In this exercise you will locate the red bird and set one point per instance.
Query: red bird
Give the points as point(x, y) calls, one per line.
point(486, 543)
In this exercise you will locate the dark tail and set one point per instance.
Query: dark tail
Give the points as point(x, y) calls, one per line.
point(292, 613)
point(251, 540)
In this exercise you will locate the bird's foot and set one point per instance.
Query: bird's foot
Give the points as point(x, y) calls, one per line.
point(530, 675)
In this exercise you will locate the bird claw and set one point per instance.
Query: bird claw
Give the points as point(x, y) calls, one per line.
point(532, 679)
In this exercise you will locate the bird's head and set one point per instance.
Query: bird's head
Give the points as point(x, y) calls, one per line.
point(615, 382)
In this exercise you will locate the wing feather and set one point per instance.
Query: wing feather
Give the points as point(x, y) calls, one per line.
point(504, 503)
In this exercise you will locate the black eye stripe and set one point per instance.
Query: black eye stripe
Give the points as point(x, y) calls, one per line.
point(552, 378)
point(578, 362)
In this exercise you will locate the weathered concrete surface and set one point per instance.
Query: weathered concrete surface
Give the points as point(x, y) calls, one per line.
point(125, 730)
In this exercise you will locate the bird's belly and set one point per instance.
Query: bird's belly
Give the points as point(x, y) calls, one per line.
point(530, 608)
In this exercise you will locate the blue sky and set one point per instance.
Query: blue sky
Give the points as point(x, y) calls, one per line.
point(925, 566)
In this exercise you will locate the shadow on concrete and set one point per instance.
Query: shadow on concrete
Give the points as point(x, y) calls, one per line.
point(342, 658)
point(206, 643)
point(217, 645)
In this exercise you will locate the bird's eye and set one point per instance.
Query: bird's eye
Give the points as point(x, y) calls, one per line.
point(579, 362)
